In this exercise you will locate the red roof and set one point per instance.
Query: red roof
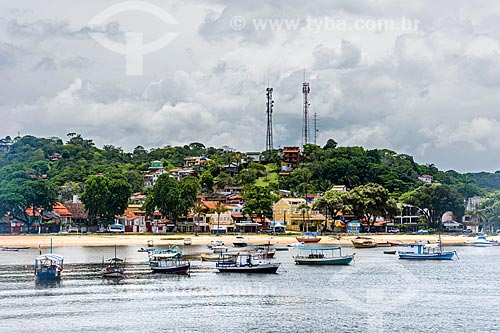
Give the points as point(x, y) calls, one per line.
point(129, 215)
point(61, 210)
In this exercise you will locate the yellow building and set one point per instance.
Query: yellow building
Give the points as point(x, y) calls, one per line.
point(297, 215)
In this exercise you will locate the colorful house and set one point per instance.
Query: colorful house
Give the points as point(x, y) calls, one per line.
point(297, 215)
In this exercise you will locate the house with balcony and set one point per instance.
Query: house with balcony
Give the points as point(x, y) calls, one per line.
point(290, 158)
point(154, 171)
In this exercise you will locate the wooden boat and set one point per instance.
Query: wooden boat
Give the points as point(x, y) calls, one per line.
point(48, 267)
point(114, 268)
point(209, 257)
point(364, 242)
point(188, 241)
point(14, 248)
point(265, 251)
point(244, 263)
point(384, 244)
point(168, 261)
point(308, 239)
point(322, 256)
point(143, 250)
point(390, 252)
point(426, 252)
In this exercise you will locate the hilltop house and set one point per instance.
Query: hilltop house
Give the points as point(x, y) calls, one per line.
point(426, 178)
point(290, 158)
point(154, 171)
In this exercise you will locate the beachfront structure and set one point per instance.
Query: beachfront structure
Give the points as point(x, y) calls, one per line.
point(295, 216)
point(132, 222)
point(221, 224)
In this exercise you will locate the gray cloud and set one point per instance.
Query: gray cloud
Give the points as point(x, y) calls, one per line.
point(429, 92)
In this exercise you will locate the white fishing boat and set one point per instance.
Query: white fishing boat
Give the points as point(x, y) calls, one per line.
point(481, 241)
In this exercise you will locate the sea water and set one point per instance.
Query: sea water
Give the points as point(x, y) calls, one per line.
point(377, 292)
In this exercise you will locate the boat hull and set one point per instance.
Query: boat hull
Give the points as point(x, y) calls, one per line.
point(308, 240)
point(429, 256)
point(179, 270)
point(257, 269)
point(364, 245)
point(483, 244)
point(240, 244)
point(324, 261)
point(113, 275)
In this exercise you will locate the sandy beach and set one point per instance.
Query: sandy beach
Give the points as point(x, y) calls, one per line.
point(59, 240)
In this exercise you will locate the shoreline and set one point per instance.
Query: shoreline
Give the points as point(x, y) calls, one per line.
point(74, 240)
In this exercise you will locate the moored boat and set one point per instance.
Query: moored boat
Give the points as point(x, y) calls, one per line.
point(114, 268)
point(426, 252)
point(309, 237)
point(364, 242)
point(244, 263)
point(265, 250)
point(240, 242)
point(481, 241)
point(188, 241)
point(322, 256)
point(168, 261)
point(48, 267)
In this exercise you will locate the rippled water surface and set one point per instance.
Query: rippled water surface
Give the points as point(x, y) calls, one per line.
point(377, 293)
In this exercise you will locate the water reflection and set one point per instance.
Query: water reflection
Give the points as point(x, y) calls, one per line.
point(47, 284)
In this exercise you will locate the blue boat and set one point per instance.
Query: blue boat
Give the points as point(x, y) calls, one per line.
point(322, 256)
point(48, 267)
point(168, 261)
point(426, 252)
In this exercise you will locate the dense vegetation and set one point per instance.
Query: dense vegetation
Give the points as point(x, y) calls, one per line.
point(36, 172)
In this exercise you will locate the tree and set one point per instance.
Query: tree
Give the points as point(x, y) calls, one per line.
point(304, 208)
point(219, 209)
point(333, 202)
point(171, 197)
point(198, 210)
point(371, 200)
point(259, 201)
point(104, 198)
point(433, 200)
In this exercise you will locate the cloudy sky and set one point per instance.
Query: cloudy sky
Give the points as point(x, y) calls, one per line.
point(419, 77)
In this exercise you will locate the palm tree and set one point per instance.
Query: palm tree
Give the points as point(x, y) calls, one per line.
point(219, 209)
point(198, 210)
point(304, 208)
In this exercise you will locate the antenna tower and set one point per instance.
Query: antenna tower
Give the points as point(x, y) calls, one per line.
point(315, 127)
point(270, 105)
point(305, 122)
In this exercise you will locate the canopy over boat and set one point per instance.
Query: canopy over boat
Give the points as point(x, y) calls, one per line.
point(319, 248)
point(51, 257)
